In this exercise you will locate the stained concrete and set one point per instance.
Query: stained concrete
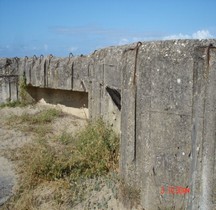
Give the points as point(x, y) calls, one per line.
point(167, 118)
point(166, 143)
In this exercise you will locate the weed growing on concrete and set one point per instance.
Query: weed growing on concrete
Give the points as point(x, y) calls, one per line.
point(24, 98)
point(23, 90)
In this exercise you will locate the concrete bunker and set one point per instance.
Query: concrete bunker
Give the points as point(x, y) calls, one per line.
point(160, 96)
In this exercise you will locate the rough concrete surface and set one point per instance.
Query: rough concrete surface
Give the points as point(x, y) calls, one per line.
point(167, 117)
point(164, 122)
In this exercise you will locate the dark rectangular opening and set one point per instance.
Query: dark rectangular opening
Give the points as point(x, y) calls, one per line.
point(68, 98)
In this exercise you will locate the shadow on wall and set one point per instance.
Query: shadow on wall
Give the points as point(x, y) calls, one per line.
point(55, 96)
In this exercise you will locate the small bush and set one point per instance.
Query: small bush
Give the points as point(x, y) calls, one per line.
point(93, 152)
point(97, 150)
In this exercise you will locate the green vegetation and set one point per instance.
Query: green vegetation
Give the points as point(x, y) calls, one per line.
point(24, 98)
point(96, 150)
point(23, 90)
point(92, 152)
point(42, 117)
point(11, 104)
point(74, 165)
point(39, 123)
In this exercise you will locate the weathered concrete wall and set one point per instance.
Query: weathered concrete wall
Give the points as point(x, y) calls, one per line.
point(105, 71)
point(169, 122)
point(8, 83)
point(90, 74)
point(161, 97)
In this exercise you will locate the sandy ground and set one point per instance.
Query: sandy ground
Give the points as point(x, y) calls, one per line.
point(14, 138)
point(7, 179)
point(9, 139)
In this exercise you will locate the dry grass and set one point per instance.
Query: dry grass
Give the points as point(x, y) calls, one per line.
point(39, 123)
point(129, 196)
point(59, 168)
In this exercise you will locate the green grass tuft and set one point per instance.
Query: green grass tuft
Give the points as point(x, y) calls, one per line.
point(11, 104)
point(93, 152)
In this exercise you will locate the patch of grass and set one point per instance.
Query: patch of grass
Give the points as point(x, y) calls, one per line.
point(43, 117)
point(74, 160)
point(130, 196)
point(97, 150)
point(24, 98)
point(38, 124)
point(11, 104)
point(65, 138)
point(52, 193)
point(93, 152)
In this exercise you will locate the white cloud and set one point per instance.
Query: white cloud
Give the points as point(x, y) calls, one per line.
point(177, 36)
point(201, 34)
point(123, 41)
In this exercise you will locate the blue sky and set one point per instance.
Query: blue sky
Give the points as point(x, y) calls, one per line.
point(58, 27)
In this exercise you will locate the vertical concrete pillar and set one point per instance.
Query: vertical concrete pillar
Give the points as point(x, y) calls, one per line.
point(197, 128)
point(96, 90)
point(174, 126)
point(203, 139)
point(14, 88)
point(209, 132)
point(127, 150)
point(5, 90)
